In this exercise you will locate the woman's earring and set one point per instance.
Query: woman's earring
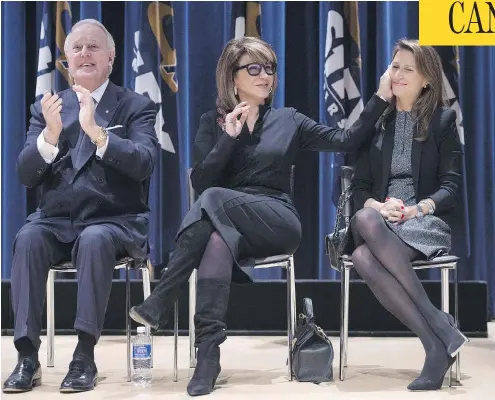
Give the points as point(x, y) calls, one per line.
point(425, 86)
point(235, 91)
point(271, 89)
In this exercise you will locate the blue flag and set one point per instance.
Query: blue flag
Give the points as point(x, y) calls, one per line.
point(151, 70)
point(246, 18)
point(340, 81)
point(56, 23)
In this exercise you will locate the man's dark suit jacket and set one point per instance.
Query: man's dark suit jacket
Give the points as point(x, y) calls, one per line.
point(436, 165)
point(82, 189)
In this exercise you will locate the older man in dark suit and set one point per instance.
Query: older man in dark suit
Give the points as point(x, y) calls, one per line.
point(91, 149)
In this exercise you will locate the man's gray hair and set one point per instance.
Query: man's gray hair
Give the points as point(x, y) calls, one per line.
point(90, 21)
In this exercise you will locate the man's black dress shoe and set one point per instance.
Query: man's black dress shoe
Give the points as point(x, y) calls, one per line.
point(26, 375)
point(82, 375)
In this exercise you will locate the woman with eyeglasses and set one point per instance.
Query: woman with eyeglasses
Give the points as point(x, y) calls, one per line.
point(243, 155)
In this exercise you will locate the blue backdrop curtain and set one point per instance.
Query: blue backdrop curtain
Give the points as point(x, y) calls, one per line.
point(14, 116)
point(151, 69)
point(477, 92)
point(196, 33)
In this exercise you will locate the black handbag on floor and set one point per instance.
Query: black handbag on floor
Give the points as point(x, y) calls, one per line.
point(312, 351)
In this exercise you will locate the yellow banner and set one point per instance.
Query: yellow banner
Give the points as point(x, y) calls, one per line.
point(457, 23)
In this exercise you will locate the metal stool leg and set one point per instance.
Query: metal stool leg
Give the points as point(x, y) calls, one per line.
point(176, 339)
point(128, 320)
point(294, 298)
point(445, 301)
point(290, 314)
point(344, 320)
point(347, 288)
point(146, 293)
point(50, 317)
point(456, 316)
point(192, 311)
point(458, 368)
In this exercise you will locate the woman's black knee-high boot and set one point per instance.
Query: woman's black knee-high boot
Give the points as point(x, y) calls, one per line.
point(212, 300)
point(187, 255)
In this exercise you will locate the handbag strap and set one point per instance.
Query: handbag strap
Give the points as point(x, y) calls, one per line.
point(307, 318)
point(310, 317)
point(343, 199)
point(308, 309)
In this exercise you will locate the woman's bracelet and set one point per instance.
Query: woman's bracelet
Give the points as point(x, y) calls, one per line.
point(431, 208)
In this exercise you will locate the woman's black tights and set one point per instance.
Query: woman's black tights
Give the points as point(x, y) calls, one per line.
point(384, 262)
point(217, 260)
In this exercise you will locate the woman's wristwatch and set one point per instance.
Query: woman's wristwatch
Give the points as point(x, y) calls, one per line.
point(420, 213)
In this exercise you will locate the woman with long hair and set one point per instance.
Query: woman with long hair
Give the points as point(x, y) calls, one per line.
point(407, 181)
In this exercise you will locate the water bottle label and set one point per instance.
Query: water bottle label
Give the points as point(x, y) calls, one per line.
point(141, 351)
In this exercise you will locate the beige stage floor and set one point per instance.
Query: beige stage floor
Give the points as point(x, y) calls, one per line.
point(254, 368)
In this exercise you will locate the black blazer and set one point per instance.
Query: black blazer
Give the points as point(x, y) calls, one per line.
point(436, 164)
point(78, 184)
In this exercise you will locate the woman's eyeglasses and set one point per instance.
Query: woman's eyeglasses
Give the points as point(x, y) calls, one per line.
point(254, 69)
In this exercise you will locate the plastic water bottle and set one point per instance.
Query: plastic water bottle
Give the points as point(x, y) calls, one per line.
point(141, 358)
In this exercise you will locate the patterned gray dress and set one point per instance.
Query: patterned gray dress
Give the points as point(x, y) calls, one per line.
point(431, 236)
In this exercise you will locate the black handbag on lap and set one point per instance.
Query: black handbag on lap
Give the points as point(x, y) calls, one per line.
point(312, 351)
